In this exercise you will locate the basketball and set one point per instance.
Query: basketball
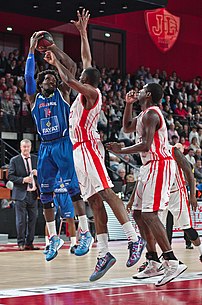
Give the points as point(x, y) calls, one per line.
point(45, 41)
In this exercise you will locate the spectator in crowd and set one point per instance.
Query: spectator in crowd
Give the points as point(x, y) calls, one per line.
point(3, 62)
point(194, 144)
point(172, 132)
point(194, 133)
point(198, 171)
point(190, 156)
point(198, 154)
point(8, 112)
point(180, 111)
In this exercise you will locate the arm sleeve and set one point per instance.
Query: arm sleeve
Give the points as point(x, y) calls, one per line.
point(29, 75)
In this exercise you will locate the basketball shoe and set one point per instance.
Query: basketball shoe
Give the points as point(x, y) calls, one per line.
point(45, 251)
point(55, 244)
point(152, 269)
point(200, 258)
point(102, 266)
point(72, 249)
point(173, 269)
point(143, 266)
point(135, 251)
point(85, 244)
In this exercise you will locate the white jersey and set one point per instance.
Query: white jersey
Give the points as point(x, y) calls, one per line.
point(83, 122)
point(159, 147)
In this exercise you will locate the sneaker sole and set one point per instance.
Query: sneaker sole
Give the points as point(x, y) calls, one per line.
point(146, 277)
point(161, 284)
point(101, 274)
point(61, 244)
point(90, 246)
point(129, 264)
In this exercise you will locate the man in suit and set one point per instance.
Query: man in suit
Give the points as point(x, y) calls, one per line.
point(22, 172)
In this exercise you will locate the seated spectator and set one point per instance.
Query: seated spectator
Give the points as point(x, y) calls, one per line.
point(3, 63)
point(3, 86)
point(127, 138)
point(190, 156)
point(194, 133)
point(8, 112)
point(194, 144)
point(198, 171)
point(180, 111)
point(169, 119)
point(121, 172)
point(174, 140)
point(185, 143)
point(200, 136)
point(172, 132)
point(198, 154)
point(102, 122)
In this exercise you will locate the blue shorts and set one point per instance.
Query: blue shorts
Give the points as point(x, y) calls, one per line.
point(64, 202)
point(53, 157)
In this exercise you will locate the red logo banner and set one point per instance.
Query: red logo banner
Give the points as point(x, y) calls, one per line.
point(163, 28)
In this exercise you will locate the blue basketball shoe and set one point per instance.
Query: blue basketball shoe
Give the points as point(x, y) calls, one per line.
point(85, 244)
point(55, 244)
point(102, 266)
point(136, 249)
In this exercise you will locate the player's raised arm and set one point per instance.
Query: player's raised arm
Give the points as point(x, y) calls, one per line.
point(81, 25)
point(129, 123)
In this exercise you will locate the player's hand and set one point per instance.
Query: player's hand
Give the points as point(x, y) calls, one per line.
point(115, 147)
point(34, 40)
point(82, 22)
point(132, 97)
point(50, 58)
point(193, 202)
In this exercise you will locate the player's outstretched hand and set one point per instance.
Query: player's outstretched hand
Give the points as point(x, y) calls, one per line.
point(82, 22)
point(34, 40)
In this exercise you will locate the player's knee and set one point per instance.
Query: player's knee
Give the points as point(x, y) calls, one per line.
point(47, 200)
point(191, 233)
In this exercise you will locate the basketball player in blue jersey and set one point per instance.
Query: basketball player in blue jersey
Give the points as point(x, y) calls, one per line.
point(49, 100)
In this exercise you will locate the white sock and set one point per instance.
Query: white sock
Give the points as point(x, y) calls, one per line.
point(47, 240)
point(83, 222)
point(51, 228)
point(199, 248)
point(130, 231)
point(102, 244)
point(73, 241)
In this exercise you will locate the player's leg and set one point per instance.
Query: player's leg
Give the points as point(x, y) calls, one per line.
point(105, 259)
point(65, 163)
point(155, 198)
point(47, 171)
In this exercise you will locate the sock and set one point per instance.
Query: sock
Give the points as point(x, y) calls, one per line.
point(83, 222)
point(130, 231)
point(73, 241)
point(47, 240)
point(199, 248)
point(152, 256)
point(102, 244)
point(51, 228)
point(169, 255)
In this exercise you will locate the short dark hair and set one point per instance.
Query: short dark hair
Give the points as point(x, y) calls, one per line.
point(156, 92)
point(93, 76)
point(41, 77)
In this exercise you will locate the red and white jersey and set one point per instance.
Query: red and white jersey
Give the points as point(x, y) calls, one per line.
point(159, 147)
point(83, 122)
point(179, 181)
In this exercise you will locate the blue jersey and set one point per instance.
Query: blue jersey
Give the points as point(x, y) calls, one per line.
point(51, 115)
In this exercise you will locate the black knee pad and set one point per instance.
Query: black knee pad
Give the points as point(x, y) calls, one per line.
point(47, 200)
point(76, 197)
point(48, 205)
point(191, 233)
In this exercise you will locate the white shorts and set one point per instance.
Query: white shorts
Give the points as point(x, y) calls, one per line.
point(90, 168)
point(153, 189)
point(180, 209)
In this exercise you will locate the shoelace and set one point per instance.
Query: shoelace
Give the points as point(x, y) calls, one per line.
point(100, 263)
point(169, 269)
point(51, 247)
point(83, 242)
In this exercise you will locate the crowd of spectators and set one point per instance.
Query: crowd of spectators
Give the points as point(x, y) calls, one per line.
point(181, 106)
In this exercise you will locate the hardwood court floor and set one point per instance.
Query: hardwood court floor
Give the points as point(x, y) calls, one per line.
point(29, 268)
